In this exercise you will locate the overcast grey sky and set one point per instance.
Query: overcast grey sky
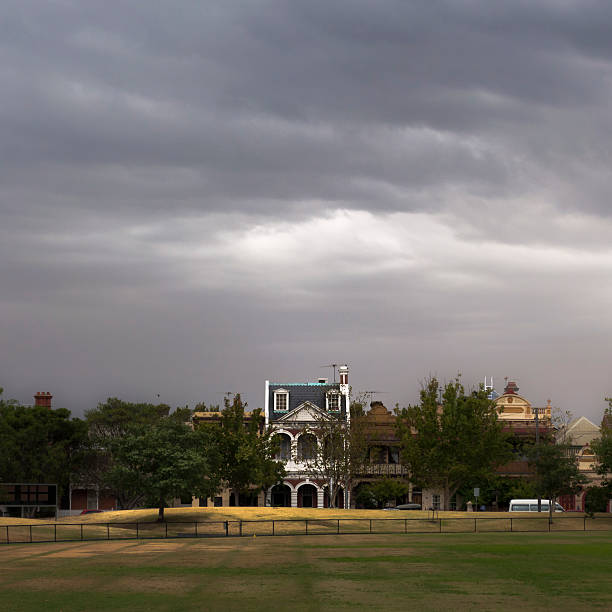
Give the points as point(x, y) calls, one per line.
point(199, 196)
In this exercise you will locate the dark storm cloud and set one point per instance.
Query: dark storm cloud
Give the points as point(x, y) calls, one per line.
point(303, 101)
point(203, 195)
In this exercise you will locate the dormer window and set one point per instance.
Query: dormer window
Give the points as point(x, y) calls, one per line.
point(333, 401)
point(281, 400)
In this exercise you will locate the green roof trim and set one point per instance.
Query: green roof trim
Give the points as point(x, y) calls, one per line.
point(304, 384)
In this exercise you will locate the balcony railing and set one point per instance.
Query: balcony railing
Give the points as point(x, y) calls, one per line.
point(384, 469)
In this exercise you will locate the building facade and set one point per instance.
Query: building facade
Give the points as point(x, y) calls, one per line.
point(294, 411)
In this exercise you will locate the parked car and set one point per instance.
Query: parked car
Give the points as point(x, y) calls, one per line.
point(406, 507)
point(92, 511)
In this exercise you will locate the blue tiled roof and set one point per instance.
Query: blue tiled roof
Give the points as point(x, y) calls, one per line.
point(303, 392)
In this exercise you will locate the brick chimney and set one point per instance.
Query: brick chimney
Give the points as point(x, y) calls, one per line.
point(343, 371)
point(511, 388)
point(43, 399)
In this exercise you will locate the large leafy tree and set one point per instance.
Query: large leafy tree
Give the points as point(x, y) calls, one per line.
point(38, 444)
point(242, 452)
point(452, 439)
point(602, 448)
point(556, 470)
point(108, 423)
point(379, 493)
point(161, 461)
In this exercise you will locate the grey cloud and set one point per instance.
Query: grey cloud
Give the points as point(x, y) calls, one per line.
point(134, 136)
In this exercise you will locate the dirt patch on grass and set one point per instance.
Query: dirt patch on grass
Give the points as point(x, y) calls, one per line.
point(78, 583)
point(88, 550)
point(159, 584)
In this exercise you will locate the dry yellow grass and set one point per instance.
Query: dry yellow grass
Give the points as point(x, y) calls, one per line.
point(145, 515)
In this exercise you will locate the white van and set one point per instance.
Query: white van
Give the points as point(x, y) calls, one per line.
point(531, 505)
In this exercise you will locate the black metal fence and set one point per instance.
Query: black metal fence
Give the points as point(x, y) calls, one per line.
point(81, 532)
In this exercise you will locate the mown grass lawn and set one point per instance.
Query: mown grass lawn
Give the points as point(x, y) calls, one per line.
point(505, 571)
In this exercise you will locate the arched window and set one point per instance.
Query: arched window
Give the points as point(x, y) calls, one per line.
point(306, 447)
point(283, 452)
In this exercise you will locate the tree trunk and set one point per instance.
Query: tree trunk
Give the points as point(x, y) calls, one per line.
point(550, 510)
point(447, 496)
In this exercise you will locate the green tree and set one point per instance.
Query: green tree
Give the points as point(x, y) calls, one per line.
point(112, 418)
point(602, 447)
point(108, 423)
point(38, 444)
point(161, 461)
point(448, 443)
point(556, 471)
point(379, 493)
point(242, 451)
point(596, 499)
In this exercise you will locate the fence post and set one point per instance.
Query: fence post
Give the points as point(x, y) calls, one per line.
point(55, 533)
point(584, 523)
point(370, 525)
point(405, 525)
point(81, 532)
point(107, 531)
point(241, 527)
point(196, 529)
point(137, 531)
point(474, 525)
point(227, 528)
point(510, 523)
point(338, 526)
point(30, 534)
point(166, 529)
point(306, 520)
point(440, 525)
point(273, 527)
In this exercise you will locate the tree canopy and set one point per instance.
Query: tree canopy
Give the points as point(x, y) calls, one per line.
point(452, 439)
point(556, 470)
point(602, 448)
point(107, 425)
point(161, 461)
point(38, 444)
point(242, 453)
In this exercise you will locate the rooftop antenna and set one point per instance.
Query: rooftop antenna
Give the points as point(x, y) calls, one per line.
point(489, 389)
point(332, 365)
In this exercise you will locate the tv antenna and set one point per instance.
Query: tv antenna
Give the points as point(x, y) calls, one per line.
point(334, 366)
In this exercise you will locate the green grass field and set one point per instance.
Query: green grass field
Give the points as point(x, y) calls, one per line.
point(493, 571)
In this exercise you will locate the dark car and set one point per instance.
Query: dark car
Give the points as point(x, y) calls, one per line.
point(90, 511)
point(408, 507)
